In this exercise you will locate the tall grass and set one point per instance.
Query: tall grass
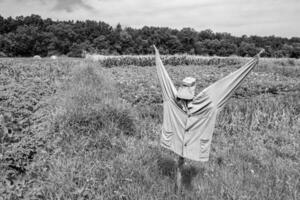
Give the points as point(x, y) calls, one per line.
point(255, 151)
point(86, 116)
point(100, 147)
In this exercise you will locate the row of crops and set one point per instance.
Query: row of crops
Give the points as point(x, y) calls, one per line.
point(176, 60)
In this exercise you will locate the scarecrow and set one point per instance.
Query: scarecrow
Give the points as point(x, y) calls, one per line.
point(189, 119)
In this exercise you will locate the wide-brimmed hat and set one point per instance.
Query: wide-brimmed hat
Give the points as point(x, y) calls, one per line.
point(187, 89)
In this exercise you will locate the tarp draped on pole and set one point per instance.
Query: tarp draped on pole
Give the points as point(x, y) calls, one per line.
point(189, 133)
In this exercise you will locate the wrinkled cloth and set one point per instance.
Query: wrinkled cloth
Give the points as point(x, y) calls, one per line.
point(188, 132)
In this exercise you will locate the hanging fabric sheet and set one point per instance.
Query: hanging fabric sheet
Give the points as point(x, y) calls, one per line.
point(189, 133)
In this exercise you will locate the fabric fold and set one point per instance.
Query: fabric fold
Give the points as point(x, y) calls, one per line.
point(168, 89)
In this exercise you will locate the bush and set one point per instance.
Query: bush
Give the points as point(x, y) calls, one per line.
point(2, 54)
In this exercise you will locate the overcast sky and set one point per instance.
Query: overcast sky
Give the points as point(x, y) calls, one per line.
point(238, 17)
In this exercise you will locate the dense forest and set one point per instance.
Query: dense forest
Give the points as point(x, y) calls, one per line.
point(32, 35)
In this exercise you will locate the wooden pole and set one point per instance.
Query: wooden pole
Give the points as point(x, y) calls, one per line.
point(178, 187)
point(180, 163)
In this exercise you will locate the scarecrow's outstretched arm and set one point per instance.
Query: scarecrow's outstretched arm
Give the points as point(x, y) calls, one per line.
point(168, 89)
point(220, 91)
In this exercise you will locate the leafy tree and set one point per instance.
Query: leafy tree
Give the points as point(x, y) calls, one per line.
point(247, 49)
point(187, 38)
point(101, 43)
point(2, 25)
point(174, 45)
point(5, 45)
point(208, 47)
point(32, 35)
point(227, 48)
point(206, 34)
point(23, 40)
point(287, 50)
point(296, 50)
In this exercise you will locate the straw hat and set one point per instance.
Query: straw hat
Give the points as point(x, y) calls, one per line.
point(187, 89)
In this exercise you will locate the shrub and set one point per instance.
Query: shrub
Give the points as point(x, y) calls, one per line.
point(2, 54)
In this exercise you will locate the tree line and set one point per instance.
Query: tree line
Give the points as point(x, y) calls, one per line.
point(32, 35)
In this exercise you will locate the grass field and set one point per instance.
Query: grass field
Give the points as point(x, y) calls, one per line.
point(72, 129)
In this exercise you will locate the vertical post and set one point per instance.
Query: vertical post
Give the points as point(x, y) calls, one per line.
point(178, 187)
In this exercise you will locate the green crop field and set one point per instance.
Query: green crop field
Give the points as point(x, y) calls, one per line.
point(77, 129)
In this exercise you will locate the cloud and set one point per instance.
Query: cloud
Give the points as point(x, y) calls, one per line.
point(61, 5)
point(69, 5)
